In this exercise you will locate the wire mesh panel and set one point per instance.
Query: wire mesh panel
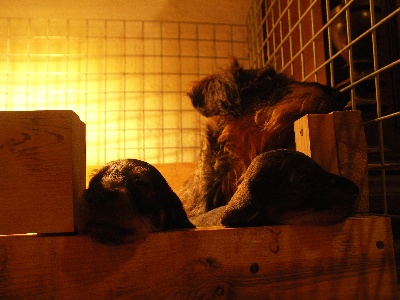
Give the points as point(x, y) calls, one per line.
point(353, 46)
point(126, 79)
point(285, 34)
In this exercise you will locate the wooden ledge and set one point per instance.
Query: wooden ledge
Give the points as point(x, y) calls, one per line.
point(352, 260)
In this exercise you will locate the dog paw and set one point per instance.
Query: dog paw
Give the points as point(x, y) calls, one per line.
point(288, 187)
point(125, 201)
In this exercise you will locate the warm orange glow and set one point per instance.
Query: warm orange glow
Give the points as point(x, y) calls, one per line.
point(125, 79)
point(18, 234)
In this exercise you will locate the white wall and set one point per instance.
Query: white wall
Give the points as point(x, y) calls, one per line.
point(213, 11)
point(123, 66)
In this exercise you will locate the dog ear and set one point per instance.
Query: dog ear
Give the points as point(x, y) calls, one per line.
point(288, 187)
point(242, 209)
point(174, 214)
point(247, 207)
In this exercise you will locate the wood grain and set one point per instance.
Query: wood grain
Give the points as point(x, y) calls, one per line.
point(315, 137)
point(42, 156)
point(353, 260)
point(336, 141)
point(352, 151)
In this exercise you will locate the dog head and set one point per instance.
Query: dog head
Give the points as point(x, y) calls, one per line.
point(288, 187)
point(218, 94)
point(236, 91)
point(126, 200)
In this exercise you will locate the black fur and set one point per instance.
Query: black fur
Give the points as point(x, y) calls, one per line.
point(126, 200)
point(288, 187)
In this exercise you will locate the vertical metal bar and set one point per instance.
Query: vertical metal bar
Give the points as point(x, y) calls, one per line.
point(267, 32)
point(182, 146)
point(259, 35)
point(67, 57)
point(182, 153)
point(105, 89)
point(290, 38)
point(301, 40)
point(124, 91)
point(143, 100)
point(330, 44)
point(162, 151)
point(249, 38)
point(281, 33)
point(86, 54)
point(47, 62)
point(351, 69)
point(272, 17)
point(28, 64)
point(8, 106)
point(378, 107)
point(314, 41)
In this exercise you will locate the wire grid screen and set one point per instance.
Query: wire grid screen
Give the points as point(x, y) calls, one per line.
point(127, 80)
point(353, 46)
point(283, 35)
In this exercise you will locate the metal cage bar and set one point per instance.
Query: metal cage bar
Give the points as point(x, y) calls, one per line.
point(304, 33)
point(126, 79)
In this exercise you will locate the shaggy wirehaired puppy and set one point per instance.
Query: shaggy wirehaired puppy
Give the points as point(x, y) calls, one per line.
point(241, 178)
point(249, 112)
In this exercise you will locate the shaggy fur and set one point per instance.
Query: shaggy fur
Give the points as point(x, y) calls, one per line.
point(249, 112)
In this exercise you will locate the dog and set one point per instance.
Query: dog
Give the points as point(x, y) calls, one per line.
point(248, 112)
point(247, 175)
point(288, 187)
point(126, 200)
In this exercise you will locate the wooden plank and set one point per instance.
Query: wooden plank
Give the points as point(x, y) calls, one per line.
point(315, 137)
point(352, 260)
point(336, 141)
point(352, 151)
point(42, 155)
point(176, 174)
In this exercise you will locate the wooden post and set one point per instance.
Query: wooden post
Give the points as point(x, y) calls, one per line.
point(42, 158)
point(336, 141)
point(352, 260)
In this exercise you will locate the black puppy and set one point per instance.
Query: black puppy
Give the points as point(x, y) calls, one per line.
point(126, 200)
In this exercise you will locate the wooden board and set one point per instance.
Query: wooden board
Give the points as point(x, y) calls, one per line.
point(336, 141)
point(353, 260)
point(176, 174)
point(42, 157)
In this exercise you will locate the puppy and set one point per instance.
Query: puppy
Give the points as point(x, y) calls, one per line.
point(288, 187)
point(126, 200)
point(249, 112)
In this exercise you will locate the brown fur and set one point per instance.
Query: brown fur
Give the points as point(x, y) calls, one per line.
point(257, 118)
